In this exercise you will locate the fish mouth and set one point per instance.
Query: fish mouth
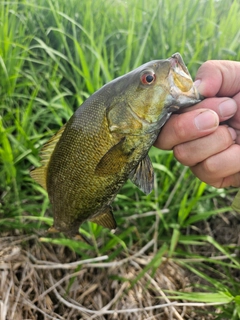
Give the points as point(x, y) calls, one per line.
point(178, 65)
point(183, 90)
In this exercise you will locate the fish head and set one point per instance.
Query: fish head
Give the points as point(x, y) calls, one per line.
point(160, 87)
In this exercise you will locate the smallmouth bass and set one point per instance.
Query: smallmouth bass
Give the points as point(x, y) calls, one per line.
point(106, 141)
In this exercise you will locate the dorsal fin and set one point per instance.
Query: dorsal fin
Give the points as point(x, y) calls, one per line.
point(40, 174)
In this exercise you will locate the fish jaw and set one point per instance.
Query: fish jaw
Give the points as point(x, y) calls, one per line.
point(183, 92)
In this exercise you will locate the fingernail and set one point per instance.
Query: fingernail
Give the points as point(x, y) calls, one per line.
point(206, 120)
point(200, 86)
point(233, 133)
point(197, 82)
point(227, 108)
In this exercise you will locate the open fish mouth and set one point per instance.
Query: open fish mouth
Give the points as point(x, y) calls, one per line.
point(178, 64)
point(183, 89)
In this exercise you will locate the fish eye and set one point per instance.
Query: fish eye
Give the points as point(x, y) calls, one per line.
point(148, 78)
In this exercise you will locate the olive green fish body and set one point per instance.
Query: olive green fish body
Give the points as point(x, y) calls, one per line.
point(107, 140)
point(89, 184)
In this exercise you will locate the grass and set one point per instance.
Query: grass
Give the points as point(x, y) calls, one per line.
point(55, 54)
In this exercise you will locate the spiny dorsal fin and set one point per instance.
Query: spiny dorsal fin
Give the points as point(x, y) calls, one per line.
point(40, 174)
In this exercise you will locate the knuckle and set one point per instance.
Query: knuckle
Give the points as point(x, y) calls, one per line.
point(217, 184)
point(205, 171)
point(180, 129)
point(225, 137)
point(210, 166)
point(181, 154)
point(235, 180)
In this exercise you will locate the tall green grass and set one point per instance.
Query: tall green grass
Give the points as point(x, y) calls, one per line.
point(53, 55)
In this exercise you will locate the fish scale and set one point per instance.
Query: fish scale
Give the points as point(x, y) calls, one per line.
point(107, 140)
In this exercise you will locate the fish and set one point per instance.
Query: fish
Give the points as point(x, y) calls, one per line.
point(106, 142)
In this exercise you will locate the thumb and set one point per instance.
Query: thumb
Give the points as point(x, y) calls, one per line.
point(218, 78)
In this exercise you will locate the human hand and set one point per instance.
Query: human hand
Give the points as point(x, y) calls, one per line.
point(206, 137)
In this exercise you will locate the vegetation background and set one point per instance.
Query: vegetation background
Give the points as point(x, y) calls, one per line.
point(183, 237)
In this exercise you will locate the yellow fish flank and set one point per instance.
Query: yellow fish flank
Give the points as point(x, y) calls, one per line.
point(106, 141)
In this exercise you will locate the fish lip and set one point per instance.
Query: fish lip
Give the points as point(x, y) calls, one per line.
point(182, 99)
point(175, 60)
point(178, 66)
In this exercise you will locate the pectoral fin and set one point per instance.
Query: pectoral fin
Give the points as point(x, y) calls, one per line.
point(143, 175)
point(106, 219)
point(113, 161)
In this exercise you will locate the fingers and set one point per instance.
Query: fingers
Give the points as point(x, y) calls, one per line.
point(218, 78)
point(193, 152)
point(238, 136)
point(221, 169)
point(196, 122)
point(221, 78)
point(235, 121)
point(186, 127)
point(197, 140)
point(233, 181)
point(224, 107)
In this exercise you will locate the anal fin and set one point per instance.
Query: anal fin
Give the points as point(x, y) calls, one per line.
point(105, 219)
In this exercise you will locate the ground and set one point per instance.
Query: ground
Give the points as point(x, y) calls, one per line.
point(45, 281)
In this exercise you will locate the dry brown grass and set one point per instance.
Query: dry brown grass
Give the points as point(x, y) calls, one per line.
point(43, 281)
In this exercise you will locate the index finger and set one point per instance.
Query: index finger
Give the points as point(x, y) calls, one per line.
point(218, 78)
point(183, 127)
